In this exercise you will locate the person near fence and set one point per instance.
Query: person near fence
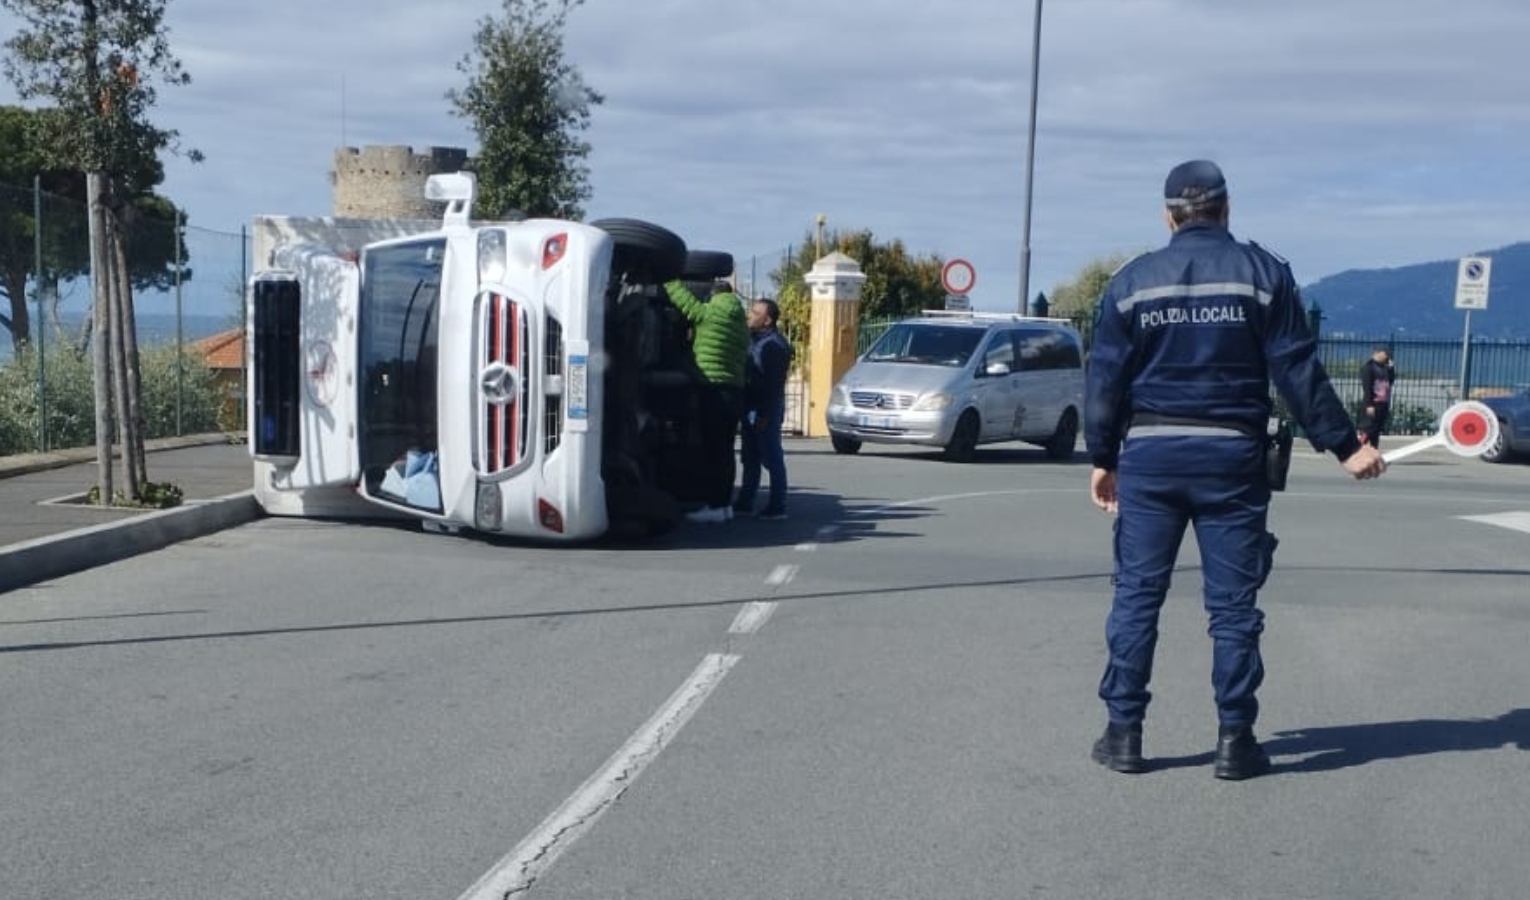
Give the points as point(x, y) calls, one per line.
point(720, 347)
point(770, 359)
point(1187, 341)
point(1377, 377)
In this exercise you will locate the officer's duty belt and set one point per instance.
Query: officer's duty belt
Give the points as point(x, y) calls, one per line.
point(1141, 420)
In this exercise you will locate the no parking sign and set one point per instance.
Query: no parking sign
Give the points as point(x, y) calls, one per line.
point(1472, 282)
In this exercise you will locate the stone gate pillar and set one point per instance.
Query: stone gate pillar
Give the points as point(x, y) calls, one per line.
point(835, 281)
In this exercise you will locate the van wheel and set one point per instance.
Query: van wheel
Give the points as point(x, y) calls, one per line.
point(963, 438)
point(646, 253)
point(1063, 440)
point(846, 445)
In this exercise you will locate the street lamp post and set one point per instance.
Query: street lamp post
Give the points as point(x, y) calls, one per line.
point(1030, 164)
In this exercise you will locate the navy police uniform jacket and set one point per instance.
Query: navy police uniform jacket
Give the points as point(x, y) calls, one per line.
point(1194, 334)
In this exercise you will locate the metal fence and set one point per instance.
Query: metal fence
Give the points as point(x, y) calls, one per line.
point(184, 291)
point(1429, 373)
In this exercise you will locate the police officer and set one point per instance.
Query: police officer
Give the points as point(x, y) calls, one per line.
point(1187, 342)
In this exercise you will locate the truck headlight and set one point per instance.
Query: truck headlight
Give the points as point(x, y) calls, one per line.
point(488, 512)
point(932, 402)
point(491, 256)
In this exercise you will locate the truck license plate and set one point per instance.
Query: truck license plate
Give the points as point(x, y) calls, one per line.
point(578, 391)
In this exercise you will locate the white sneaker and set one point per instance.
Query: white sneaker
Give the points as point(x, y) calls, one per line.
point(708, 514)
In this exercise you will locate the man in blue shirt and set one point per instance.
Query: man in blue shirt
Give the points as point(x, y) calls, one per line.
point(770, 359)
point(1187, 342)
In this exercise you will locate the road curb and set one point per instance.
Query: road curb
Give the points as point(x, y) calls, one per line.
point(50, 557)
point(30, 463)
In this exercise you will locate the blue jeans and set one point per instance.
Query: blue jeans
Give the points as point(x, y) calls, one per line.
point(1229, 513)
point(760, 447)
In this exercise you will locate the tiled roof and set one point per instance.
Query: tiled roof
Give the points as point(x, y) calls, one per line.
point(224, 350)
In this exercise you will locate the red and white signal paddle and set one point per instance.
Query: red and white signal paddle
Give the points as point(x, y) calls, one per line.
point(1467, 428)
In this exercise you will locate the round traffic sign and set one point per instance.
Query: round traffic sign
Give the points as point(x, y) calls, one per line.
point(958, 276)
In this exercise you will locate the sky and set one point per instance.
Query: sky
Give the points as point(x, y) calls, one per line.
point(1354, 135)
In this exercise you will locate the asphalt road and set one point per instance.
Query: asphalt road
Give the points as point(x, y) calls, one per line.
point(888, 695)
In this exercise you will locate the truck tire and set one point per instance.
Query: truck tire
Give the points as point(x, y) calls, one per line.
point(645, 253)
point(707, 265)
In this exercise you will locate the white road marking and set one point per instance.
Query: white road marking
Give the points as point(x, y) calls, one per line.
point(534, 855)
point(751, 617)
point(780, 575)
point(1518, 521)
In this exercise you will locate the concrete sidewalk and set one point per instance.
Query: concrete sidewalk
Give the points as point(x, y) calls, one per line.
point(47, 531)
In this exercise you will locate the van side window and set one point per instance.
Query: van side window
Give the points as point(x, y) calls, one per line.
point(1000, 349)
point(1069, 356)
point(1042, 349)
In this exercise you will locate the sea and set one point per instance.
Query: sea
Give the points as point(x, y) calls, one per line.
point(155, 329)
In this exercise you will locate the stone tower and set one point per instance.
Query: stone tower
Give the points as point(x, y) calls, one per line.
point(388, 182)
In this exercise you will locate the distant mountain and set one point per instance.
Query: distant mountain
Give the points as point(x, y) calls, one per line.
point(1419, 300)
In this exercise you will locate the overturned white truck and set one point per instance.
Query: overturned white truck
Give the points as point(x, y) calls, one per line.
point(526, 379)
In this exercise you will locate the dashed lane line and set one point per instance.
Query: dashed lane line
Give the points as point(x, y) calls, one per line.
point(751, 617)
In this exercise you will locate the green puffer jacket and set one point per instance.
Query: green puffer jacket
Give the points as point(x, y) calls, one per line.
point(722, 336)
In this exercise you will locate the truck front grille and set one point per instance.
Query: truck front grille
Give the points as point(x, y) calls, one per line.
point(504, 384)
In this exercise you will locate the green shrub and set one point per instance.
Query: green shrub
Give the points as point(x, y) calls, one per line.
point(71, 397)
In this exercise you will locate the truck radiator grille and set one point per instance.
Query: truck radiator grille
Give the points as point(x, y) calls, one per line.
point(503, 384)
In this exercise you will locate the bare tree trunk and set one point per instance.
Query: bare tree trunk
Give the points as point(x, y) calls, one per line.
point(133, 437)
point(119, 375)
point(20, 322)
point(100, 283)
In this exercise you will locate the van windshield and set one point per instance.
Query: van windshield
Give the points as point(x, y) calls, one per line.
point(929, 345)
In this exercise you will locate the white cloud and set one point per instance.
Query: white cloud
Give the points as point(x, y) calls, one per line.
point(1355, 135)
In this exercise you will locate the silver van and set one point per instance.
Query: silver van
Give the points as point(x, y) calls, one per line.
point(955, 380)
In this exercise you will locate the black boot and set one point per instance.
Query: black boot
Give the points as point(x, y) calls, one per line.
point(1239, 755)
point(1119, 749)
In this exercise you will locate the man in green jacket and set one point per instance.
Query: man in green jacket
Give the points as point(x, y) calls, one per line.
point(720, 347)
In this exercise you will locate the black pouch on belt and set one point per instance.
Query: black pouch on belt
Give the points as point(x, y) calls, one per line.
point(1277, 454)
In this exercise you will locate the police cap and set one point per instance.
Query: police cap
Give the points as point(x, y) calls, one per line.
point(1195, 181)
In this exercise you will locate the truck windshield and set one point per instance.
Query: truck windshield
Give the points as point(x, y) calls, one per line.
point(400, 294)
point(933, 345)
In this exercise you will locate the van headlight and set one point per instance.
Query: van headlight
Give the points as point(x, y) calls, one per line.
point(932, 402)
point(841, 396)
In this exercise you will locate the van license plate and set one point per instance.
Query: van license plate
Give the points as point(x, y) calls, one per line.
point(886, 422)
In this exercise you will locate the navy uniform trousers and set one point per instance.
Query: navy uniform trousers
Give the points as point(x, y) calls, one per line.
point(1161, 491)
